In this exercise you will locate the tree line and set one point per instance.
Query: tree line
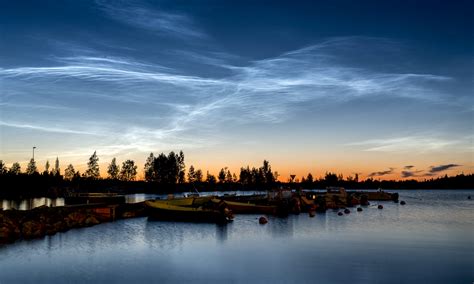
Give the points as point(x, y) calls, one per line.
point(164, 169)
point(167, 172)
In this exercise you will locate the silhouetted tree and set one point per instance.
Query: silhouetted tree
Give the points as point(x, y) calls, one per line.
point(221, 176)
point(331, 179)
point(166, 169)
point(211, 179)
point(181, 167)
point(93, 167)
point(15, 169)
point(69, 172)
point(113, 169)
point(309, 178)
point(3, 168)
point(267, 173)
point(149, 168)
point(228, 177)
point(129, 171)
point(56, 171)
point(191, 174)
point(31, 168)
point(198, 175)
point(46, 168)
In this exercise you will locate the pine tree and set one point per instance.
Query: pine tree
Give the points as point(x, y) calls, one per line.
point(31, 168)
point(129, 171)
point(46, 168)
point(56, 170)
point(182, 167)
point(191, 174)
point(15, 169)
point(211, 179)
point(3, 168)
point(69, 172)
point(149, 169)
point(113, 170)
point(93, 167)
point(198, 176)
point(221, 176)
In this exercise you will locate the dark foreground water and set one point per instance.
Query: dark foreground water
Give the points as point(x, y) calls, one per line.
point(429, 240)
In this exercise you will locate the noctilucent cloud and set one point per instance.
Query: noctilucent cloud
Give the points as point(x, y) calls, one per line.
point(379, 88)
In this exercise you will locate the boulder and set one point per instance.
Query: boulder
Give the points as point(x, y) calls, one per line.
point(33, 229)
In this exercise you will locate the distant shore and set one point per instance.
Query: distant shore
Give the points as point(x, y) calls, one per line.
point(37, 185)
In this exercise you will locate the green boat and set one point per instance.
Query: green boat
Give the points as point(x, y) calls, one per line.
point(213, 212)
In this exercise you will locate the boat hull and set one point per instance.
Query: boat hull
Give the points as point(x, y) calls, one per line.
point(161, 210)
point(249, 208)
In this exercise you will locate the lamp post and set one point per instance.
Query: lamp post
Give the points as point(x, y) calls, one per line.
point(34, 152)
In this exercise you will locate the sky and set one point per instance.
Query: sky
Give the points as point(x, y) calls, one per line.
point(383, 89)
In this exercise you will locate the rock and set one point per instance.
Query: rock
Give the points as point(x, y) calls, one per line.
point(33, 229)
point(359, 209)
point(262, 220)
point(380, 206)
point(402, 202)
point(312, 213)
point(75, 219)
point(347, 211)
point(340, 213)
point(91, 221)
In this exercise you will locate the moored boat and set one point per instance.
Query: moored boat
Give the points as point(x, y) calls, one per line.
point(214, 212)
point(250, 208)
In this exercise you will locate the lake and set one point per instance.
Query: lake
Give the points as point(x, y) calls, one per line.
point(429, 240)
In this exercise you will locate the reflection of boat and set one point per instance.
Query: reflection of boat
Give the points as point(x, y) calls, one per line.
point(213, 212)
point(88, 198)
point(250, 208)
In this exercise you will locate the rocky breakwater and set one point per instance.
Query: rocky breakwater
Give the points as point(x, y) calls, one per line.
point(42, 221)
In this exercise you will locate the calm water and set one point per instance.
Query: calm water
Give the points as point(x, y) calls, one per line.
point(28, 204)
point(429, 240)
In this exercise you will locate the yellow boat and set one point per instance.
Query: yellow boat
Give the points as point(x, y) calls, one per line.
point(213, 212)
point(250, 208)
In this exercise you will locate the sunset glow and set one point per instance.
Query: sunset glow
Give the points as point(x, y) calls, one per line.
point(389, 98)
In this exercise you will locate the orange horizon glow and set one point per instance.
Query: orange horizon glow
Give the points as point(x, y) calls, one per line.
point(283, 172)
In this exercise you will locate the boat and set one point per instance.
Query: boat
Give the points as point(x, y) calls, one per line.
point(94, 198)
point(190, 201)
point(250, 208)
point(214, 212)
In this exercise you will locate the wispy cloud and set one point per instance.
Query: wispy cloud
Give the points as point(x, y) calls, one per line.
point(47, 129)
point(382, 173)
point(407, 143)
point(441, 168)
point(263, 90)
point(139, 15)
point(411, 173)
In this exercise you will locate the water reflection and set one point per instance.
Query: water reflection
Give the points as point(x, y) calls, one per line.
point(427, 241)
point(221, 232)
point(28, 204)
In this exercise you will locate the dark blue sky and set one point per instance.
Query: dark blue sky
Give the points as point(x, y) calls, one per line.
point(386, 81)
